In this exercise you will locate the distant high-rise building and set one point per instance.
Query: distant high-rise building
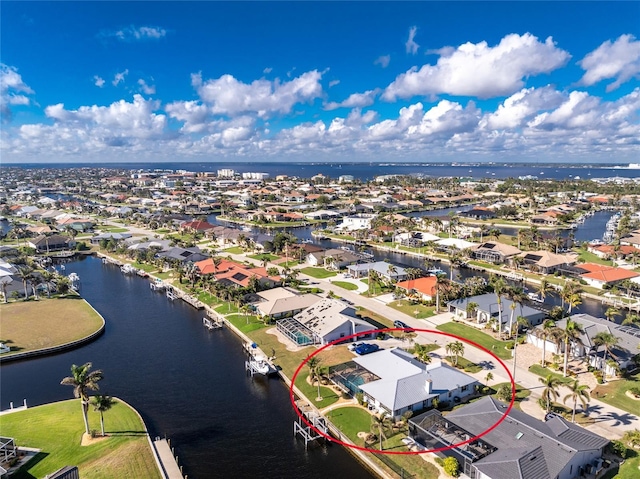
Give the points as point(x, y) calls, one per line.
point(252, 175)
point(226, 173)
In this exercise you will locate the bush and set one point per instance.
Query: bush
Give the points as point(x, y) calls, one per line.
point(504, 393)
point(635, 391)
point(451, 466)
point(360, 398)
point(618, 448)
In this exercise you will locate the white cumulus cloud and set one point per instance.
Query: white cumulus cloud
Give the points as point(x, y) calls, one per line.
point(619, 60)
point(229, 96)
point(411, 45)
point(119, 77)
point(13, 90)
point(146, 89)
point(480, 70)
point(356, 100)
point(98, 81)
point(522, 106)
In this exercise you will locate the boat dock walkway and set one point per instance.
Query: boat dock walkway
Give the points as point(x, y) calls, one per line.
point(167, 459)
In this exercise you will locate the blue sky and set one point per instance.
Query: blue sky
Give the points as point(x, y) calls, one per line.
point(330, 81)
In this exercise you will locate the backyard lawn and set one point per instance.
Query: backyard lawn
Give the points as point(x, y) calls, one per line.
point(346, 285)
point(329, 395)
point(245, 323)
point(318, 273)
point(495, 346)
point(544, 372)
point(31, 325)
point(415, 310)
point(234, 250)
point(263, 256)
point(614, 393)
point(56, 429)
point(350, 421)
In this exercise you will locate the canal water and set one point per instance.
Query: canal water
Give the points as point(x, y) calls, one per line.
point(187, 382)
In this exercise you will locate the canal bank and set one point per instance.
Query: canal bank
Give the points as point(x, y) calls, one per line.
point(188, 383)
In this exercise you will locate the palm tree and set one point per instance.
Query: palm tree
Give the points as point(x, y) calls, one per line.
point(516, 296)
point(488, 377)
point(391, 270)
point(379, 424)
point(611, 313)
point(499, 287)
point(456, 349)
point(547, 331)
point(422, 353)
point(631, 318)
point(102, 404)
point(579, 392)
point(24, 273)
point(47, 276)
point(607, 340)
point(313, 363)
point(569, 335)
point(439, 286)
point(550, 391)
point(472, 308)
point(545, 288)
point(83, 379)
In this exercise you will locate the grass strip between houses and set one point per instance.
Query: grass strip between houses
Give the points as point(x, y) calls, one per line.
point(495, 346)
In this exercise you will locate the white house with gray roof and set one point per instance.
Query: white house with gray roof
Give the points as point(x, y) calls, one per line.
point(519, 447)
point(487, 309)
point(395, 382)
point(389, 272)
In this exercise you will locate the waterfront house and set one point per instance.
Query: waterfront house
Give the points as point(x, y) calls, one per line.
point(487, 309)
point(546, 262)
point(622, 353)
point(183, 255)
point(235, 274)
point(278, 303)
point(518, 447)
point(599, 275)
point(110, 236)
point(394, 382)
point(387, 271)
point(46, 244)
point(495, 252)
point(334, 258)
point(325, 321)
point(478, 213)
point(423, 288)
point(360, 221)
point(196, 226)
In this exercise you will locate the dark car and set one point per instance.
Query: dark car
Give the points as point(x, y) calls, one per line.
point(366, 348)
point(400, 324)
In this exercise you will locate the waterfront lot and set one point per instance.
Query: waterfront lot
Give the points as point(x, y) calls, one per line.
point(318, 273)
point(31, 325)
point(56, 429)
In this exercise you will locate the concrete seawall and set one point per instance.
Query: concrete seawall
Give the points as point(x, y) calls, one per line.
point(60, 348)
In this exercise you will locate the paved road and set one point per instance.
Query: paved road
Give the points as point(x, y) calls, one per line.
point(609, 421)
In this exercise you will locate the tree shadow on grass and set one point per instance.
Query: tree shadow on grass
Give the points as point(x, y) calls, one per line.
point(126, 433)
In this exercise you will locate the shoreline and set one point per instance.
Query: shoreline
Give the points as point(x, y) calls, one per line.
point(61, 347)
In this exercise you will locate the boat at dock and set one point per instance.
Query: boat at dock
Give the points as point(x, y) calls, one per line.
point(212, 323)
point(259, 364)
point(128, 269)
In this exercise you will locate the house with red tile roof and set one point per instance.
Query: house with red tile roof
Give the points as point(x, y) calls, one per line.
point(601, 275)
point(425, 287)
point(236, 274)
point(196, 226)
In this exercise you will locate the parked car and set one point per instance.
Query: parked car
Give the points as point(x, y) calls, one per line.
point(366, 348)
point(400, 324)
point(353, 346)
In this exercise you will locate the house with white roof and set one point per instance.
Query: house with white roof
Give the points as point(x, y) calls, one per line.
point(387, 271)
point(325, 321)
point(394, 382)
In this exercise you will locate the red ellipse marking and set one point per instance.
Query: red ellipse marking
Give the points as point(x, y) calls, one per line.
point(378, 451)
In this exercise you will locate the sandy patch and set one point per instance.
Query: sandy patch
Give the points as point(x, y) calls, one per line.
point(87, 440)
point(628, 393)
point(363, 435)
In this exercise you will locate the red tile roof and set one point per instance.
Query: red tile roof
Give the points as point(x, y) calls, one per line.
point(424, 285)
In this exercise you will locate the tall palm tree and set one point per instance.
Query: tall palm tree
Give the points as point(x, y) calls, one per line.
point(439, 287)
point(607, 340)
point(47, 277)
point(516, 296)
point(422, 353)
point(472, 308)
point(550, 391)
point(314, 372)
point(456, 348)
point(547, 331)
point(544, 288)
point(391, 270)
point(83, 379)
point(499, 288)
point(102, 404)
point(24, 273)
point(488, 377)
point(379, 426)
point(611, 313)
point(569, 335)
point(579, 392)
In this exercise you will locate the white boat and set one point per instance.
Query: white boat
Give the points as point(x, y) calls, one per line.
point(535, 297)
point(260, 364)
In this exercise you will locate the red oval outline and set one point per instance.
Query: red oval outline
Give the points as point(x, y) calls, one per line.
point(378, 451)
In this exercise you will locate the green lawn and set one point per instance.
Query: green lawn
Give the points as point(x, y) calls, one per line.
point(468, 332)
point(261, 257)
point(234, 250)
point(465, 364)
point(164, 275)
point(629, 470)
point(521, 393)
point(162, 230)
point(588, 257)
point(346, 285)
point(208, 298)
point(416, 310)
point(329, 396)
point(319, 273)
point(113, 230)
point(56, 429)
point(145, 267)
point(544, 372)
point(227, 308)
point(350, 421)
point(613, 392)
point(247, 323)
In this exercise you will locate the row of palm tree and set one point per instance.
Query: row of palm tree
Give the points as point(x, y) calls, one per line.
point(577, 393)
